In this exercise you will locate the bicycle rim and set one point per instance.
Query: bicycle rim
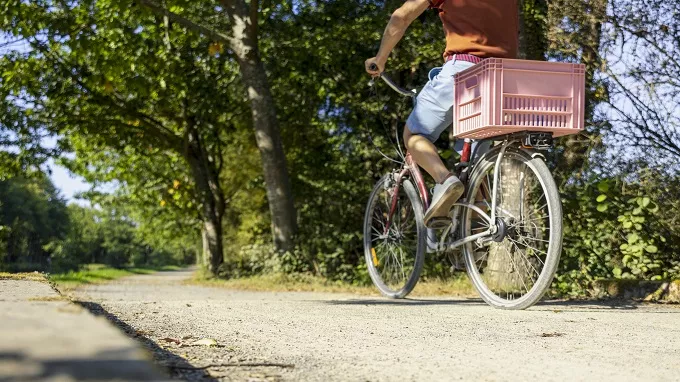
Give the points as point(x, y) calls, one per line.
point(394, 257)
point(516, 271)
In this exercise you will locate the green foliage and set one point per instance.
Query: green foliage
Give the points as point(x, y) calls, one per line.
point(32, 215)
point(533, 38)
point(616, 229)
point(329, 119)
point(142, 103)
point(39, 232)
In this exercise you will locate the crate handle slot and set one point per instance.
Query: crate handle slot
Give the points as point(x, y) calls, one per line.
point(471, 82)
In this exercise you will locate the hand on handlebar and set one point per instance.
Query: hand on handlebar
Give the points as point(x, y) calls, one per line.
point(374, 67)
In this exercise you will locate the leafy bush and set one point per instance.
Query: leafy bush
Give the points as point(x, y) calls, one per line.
point(616, 229)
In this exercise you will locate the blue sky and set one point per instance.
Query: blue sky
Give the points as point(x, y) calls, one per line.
point(68, 183)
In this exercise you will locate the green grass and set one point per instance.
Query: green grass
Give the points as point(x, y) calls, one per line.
point(457, 286)
point(99, 273)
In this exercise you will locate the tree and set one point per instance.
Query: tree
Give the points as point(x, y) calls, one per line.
point(120, 84)
point(32, 215)
point(574, 34)
point(242, 37)
point(642, 69)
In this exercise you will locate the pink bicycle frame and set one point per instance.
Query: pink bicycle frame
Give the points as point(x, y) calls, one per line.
point(410, 167)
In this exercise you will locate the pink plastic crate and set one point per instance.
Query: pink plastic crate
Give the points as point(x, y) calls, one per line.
point(502, 96)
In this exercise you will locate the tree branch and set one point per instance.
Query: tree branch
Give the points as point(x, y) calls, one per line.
point(153, 126)
point(191, 25)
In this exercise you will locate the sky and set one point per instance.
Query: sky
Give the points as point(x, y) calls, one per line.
point(68, 183)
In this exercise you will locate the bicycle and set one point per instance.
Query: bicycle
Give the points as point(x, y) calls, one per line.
point(508, 222)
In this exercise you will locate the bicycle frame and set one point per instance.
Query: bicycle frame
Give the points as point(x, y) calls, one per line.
point(412, 169)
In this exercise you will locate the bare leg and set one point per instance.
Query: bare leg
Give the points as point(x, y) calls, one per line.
point(425, 155)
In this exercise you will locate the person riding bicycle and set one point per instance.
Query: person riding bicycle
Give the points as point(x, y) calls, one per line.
point(475, 30)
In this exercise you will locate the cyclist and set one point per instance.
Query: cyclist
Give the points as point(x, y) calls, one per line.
point(475, 29)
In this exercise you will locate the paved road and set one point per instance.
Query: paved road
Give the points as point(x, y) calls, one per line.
point(351, 338)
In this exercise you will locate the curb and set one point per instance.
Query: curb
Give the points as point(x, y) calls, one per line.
point(46, 337)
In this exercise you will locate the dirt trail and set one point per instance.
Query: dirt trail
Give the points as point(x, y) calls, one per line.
point(350, 338)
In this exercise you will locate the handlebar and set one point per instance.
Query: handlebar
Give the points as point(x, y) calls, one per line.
point(390, 83)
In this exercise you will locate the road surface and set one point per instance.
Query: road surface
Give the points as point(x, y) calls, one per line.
point(336, 337)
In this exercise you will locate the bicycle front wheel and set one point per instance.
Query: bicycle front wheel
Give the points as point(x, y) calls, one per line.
point(516, 268)
point(394, 255)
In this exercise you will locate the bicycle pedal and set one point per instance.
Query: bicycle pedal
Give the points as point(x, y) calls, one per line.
point(438, 223)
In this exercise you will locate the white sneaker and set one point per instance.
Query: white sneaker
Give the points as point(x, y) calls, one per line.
point(443, 197)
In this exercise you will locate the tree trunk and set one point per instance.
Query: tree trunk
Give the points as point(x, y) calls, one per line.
point(265, 123)
point(586, 18)
point(213, 253)
point(243, 41)
point(507, 265)
point(591, 52)
point(210, 195)
point(507, 268)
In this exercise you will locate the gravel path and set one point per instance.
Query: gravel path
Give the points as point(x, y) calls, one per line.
point(350, 338)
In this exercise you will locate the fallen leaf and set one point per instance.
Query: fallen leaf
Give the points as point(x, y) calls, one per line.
point(205, 342)
point(554, 334)
point(188, 337)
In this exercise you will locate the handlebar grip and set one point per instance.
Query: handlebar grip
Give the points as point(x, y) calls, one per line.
point(373, 67)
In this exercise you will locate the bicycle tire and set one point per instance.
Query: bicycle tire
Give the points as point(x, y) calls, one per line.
point(554, 246)
point(412, 196)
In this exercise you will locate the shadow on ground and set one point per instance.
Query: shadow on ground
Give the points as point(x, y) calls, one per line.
point(174, 365)
point(405, 302)
point(104, 366)
point(555, 305)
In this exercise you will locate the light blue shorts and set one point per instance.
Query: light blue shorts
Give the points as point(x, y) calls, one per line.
point(433, 112)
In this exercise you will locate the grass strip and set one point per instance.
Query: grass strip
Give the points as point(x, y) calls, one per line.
point(457, 286)
point(98, 274)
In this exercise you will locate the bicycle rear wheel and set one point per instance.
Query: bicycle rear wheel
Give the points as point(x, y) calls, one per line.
point(516, 269)
point(395, 256)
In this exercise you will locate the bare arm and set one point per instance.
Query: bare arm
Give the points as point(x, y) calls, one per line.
point(399, 22)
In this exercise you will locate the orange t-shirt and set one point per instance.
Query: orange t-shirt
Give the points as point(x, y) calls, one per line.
point(485, 28)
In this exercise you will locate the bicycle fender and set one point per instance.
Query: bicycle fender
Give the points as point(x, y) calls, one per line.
point(533, 154)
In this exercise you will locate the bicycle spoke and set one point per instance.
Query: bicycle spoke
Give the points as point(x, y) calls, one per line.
point(512, 261)
point(510, 270)
point(527, 261)
point(533, 238)
point(535, 249)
